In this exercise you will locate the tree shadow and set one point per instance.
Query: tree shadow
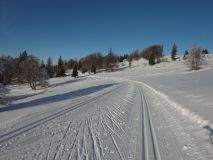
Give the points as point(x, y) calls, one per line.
point(67, 82)
point(56, 98)
point(15, 98)
point(210, 130)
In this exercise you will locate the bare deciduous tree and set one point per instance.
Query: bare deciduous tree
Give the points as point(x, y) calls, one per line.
point(2, 68)
point(7, 69)
point(194, 59)
point(1, 80)
point(135, 55)
point(96, 59)
point(153, 51)
point(71, 63)
point(31, 72)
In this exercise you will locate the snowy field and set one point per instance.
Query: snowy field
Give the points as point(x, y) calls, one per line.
point(161, 112)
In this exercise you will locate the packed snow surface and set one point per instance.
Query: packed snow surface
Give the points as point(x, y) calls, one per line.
point(161, 112)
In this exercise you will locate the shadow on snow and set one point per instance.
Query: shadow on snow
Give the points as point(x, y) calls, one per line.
point(56, 98)
point(67, 82)
point(15, 98)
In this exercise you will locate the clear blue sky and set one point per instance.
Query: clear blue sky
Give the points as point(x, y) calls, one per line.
point(75, 28)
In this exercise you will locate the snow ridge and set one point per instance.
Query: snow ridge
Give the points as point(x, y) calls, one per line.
point(185, 112)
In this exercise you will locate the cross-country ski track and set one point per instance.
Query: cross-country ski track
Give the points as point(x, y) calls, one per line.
point(122, 120)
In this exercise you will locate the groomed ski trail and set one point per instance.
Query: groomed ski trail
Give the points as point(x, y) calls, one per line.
point(124, 121)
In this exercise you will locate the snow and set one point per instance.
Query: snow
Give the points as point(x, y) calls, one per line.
point(192, 90)
point(143, 112)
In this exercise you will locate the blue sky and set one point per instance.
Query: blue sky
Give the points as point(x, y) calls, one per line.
point(74, 28)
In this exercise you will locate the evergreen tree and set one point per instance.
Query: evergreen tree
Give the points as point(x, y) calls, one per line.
point(174, 52)
point(75, 71)
point(93, 69)
point(152, 59)
point(49, 67)
point(111, 59)
point(23, 56)
point(42, 64)
point(185, 54)
point(60, 70)
point(205, 51)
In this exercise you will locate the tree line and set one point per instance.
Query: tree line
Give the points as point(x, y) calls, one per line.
point(29, 69)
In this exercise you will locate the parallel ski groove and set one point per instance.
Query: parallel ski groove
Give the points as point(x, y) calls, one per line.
point(147, 124)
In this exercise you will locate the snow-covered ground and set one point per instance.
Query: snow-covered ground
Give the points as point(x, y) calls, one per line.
point(192, 90)
point(143, 112)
